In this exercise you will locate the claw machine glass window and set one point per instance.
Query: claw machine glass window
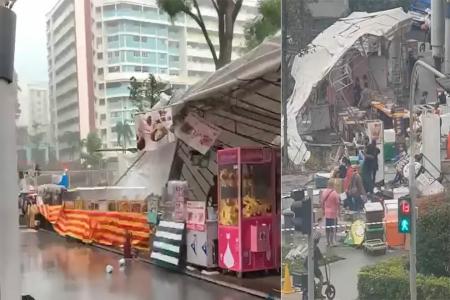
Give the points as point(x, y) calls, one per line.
point(228, 207)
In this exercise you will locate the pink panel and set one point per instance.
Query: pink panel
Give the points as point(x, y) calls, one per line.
point(229, 252)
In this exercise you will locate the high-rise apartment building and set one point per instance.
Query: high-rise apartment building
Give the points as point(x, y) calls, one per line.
point(39, 118)
point(135, 38)
point(69, 43)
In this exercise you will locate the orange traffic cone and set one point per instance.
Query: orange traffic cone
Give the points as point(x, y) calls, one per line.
point(448, 145)
point(287, 282)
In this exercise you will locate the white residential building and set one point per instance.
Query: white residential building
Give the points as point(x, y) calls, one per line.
point(69, 66)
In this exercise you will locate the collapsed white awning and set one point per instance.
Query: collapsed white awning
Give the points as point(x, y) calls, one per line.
point(257, 63)
point(328, 48)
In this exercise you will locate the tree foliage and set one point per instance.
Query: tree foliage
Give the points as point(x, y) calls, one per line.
point(433, 241)
point(90, 155)
point(377, 5)
point(266, 24)
point(72, 139)
point(227, 11)
point(124, 133)
point(145, 94)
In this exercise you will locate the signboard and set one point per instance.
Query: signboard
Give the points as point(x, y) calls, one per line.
point(177, 192)
point(153, 129)
point(197, 133)
point(196, 215)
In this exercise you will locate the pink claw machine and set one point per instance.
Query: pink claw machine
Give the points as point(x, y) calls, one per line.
point(249, 221)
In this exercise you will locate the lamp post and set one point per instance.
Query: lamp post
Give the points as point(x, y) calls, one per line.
point(412, 173)
point(10, 287)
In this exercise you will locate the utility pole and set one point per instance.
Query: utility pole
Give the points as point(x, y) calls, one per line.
point(285, 75)
point(412, 174)
point(10, 287)
point(311, 287)
point(447, 38)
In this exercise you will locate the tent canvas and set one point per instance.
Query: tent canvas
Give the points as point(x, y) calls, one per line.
point(327, 49)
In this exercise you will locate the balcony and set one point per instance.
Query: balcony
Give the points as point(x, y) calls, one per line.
point(66, 88)
point(69, 42)
point(71, 70)
point(120, 91)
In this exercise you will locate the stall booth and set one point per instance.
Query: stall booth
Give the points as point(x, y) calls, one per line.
point(248, 221)
point(103, 215)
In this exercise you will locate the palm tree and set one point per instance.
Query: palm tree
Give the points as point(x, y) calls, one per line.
point(90, 154)
point(124, 133)
point(72, 139)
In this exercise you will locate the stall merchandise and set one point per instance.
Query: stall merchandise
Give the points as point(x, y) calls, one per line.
point(102, 215)
point(248, 213)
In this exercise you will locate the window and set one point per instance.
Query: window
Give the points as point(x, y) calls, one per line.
point(116, 53)
point(110, 54)
point(138, 69)
point(144, 39)
point(99, 41)
point(163, 71)
point(99, 25)
point(136, 38)
point(162, 56)
point(103, 117)
point(136, 53)
point(174, 73)
point(114, 69)
point(102, 102)
point(145, 54)
point(100, 71)
point(174, 58)
point(145, 69)
point(100, 55)
point(113, 38)
point(101, 86)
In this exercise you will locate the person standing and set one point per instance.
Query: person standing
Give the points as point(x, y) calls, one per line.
point(355, 192)
point(330, 202)
point(371, 160)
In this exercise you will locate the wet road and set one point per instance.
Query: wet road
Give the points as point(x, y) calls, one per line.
point(54, 269)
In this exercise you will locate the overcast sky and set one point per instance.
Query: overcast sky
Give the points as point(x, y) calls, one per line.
point(31, 49)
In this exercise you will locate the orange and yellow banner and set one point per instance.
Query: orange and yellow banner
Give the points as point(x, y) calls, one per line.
point(103, 227)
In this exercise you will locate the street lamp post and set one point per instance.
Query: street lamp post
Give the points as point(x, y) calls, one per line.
point(412, 173)
point(10, 287)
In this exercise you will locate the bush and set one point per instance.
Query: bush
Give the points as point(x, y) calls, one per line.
point(433, 241)
point(390, 280)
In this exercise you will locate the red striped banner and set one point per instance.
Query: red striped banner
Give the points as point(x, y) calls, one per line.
point(106, 228)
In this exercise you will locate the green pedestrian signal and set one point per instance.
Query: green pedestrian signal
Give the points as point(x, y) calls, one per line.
point(404, 215)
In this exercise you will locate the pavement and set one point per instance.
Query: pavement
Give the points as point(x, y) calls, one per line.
point(53, 268)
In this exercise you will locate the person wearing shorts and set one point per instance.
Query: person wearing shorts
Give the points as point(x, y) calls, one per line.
point(331, 207)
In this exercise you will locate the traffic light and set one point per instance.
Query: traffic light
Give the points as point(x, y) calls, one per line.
point(404, 215)
point(302, 211)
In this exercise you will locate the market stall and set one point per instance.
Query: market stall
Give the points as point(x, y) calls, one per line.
point(103, 215)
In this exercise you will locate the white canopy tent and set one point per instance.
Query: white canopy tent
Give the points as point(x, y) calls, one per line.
point(327, 49)
point(242, 99)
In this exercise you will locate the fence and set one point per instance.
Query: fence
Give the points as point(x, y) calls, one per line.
point(81, 178)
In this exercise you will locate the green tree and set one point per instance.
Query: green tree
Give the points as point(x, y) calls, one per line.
point(144, 95)
point(433, 241)
point(377, 5)
point(266, 24)
point(90, 155)
point(227, 11)
point(72, 139)
point(124, 133)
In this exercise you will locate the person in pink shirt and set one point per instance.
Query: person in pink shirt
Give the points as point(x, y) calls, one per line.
point(331, 207)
